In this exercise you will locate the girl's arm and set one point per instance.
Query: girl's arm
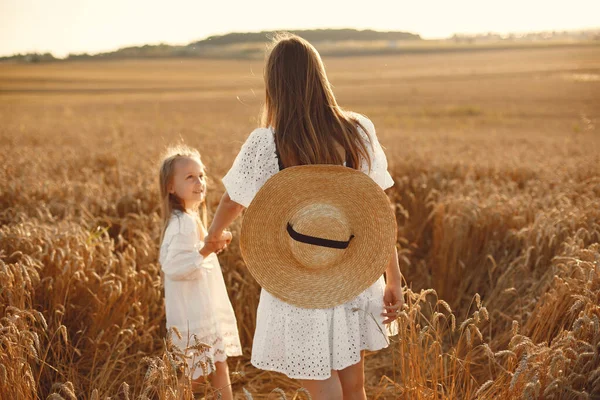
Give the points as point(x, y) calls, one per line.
point(183, 260)
point(227, 211)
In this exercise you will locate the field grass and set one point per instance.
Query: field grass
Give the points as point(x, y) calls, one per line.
point(496, 162)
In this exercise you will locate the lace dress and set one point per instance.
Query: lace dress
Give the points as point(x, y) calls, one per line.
point(196, 300)
point(305, 343)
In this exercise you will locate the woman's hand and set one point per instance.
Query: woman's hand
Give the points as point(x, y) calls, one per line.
point(393, 300)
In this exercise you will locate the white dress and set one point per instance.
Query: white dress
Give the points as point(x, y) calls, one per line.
point(306, 343)
point(196, 300)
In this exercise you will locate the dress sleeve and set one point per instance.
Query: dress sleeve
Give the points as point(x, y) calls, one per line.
point(379, 165)
point(182, 259)
point(241, 179)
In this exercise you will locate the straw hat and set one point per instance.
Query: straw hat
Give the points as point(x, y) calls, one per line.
point(316, 236)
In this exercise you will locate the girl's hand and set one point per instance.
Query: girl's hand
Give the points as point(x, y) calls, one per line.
point(393, 300)
point(210, 247)
point(218, 243)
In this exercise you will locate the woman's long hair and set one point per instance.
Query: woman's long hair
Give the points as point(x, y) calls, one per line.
point(170, 202)
point(302, 109)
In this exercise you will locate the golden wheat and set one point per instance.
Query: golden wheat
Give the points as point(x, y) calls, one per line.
point(497, 196)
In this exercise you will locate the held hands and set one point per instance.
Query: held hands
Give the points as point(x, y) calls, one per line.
point(214, 244)
point(393, 300)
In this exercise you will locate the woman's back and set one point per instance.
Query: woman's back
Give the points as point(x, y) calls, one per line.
point(257, 161)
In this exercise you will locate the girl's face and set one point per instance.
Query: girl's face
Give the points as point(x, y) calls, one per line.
point(189, 182)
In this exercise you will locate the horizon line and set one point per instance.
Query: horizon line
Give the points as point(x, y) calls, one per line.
point(506, 33)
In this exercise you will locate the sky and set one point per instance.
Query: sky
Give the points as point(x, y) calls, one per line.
point(76, 26)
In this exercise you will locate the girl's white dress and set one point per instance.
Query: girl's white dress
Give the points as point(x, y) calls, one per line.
point(300, 342)
point(196, 300)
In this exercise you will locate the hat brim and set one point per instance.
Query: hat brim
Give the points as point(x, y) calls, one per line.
point(264, 238)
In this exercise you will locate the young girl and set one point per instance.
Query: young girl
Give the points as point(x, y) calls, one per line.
point(303, 124)
point(196, 300)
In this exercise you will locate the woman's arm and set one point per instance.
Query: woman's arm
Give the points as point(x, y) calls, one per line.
point(392, 272)
point(227, 211)
point(393, 298)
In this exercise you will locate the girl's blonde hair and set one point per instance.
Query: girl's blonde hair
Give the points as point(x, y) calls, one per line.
point(170, 202)
point(301, 107)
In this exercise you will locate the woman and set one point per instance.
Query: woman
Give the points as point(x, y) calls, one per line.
point(302, 124)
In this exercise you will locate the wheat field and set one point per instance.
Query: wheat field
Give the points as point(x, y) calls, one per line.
point(495, 157)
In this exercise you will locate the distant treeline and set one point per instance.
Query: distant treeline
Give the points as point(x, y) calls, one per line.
point(330, 42)
point(315, 35)
point(232, 45)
